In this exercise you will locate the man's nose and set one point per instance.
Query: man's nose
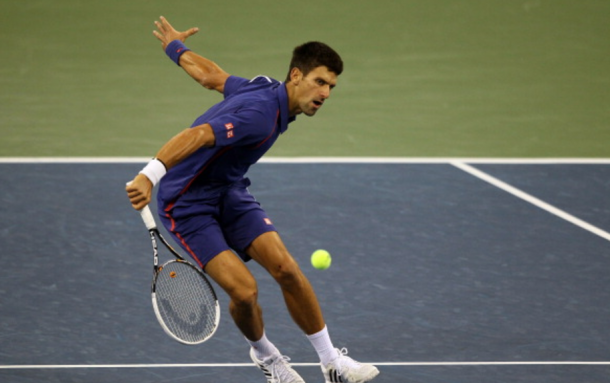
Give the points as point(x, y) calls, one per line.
point(325, 91)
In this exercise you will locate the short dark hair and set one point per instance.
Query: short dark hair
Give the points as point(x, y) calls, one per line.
point(313, 54)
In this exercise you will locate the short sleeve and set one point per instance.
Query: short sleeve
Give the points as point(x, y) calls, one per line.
point(232, 84)
point(248, 126)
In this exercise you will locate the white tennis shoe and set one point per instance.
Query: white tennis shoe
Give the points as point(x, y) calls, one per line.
point(277, 369)
point(346, 370)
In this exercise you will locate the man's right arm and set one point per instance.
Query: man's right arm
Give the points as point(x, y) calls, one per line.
point(185, 143)
point(204, 71)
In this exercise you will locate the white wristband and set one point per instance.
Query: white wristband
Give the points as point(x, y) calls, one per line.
point(154, 170)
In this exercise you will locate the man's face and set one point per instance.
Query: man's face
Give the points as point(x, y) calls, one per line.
point(312, 90)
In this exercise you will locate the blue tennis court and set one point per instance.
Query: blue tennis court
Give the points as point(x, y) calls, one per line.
point(443, 271)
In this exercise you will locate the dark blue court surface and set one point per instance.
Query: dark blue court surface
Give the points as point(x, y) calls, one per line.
point(434, 271)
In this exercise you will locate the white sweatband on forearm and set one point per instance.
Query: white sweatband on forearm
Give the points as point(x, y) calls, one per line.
point(154, 170)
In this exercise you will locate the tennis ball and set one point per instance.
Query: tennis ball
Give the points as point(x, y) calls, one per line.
point(320, 259)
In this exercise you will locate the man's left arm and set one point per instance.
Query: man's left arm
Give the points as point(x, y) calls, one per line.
point(206, 72)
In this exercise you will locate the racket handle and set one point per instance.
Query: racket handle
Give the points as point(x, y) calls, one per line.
point(148, 218)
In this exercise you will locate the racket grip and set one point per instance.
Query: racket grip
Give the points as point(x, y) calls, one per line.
point(148, 218)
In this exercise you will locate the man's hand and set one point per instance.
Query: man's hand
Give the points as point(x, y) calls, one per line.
point(166, 33)
point(139, 191)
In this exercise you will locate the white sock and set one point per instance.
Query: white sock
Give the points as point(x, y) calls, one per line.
point(323, 345)
point(263, 348)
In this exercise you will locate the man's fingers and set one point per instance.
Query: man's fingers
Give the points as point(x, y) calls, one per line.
point(139, 206)
point(133, 194)
point(165, 32)
point(139, 200)
point(161, 24)
point(138, 196)
point(165, 24)
point(191, 32)
point(158, 36)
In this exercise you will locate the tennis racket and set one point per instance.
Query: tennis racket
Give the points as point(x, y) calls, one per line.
point(184, 301)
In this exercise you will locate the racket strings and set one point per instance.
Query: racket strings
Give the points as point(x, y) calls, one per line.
point(186, 302)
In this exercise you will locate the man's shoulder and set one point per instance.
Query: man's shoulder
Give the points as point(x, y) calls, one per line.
point(263, 80)
point(242, 85)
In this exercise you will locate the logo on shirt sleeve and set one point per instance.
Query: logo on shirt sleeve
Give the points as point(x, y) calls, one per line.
point(229, 127)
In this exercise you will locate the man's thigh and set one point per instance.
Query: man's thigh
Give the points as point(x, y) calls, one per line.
point(243, 220)
point(200, 235)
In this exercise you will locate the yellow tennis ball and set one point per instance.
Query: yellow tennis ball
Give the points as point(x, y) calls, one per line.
point(320, 259)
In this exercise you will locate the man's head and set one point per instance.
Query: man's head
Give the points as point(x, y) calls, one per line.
point(313, 72)
point(313, 54)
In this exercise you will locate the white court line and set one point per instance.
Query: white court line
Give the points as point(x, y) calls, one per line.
point(315, 160)
point(531, 199)
point(234, 365)
point(457, 162)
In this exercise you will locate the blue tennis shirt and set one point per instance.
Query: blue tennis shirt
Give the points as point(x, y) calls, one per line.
point(246, 124)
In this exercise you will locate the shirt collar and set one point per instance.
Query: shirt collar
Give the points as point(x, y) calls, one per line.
point(285, 119)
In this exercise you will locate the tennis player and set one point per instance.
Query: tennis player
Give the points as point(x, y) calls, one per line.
point(205, 205)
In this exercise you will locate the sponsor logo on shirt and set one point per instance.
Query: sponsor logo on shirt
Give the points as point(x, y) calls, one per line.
point(229, 128)
point(268, 221)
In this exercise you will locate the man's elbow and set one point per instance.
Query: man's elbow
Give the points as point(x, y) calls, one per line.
point(203, 135)
point(214, 82)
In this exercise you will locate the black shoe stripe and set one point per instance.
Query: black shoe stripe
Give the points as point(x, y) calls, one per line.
point(334, 376)
point(265, 370)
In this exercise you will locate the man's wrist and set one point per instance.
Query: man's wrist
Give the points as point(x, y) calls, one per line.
point(154, 171)
point(175, 49)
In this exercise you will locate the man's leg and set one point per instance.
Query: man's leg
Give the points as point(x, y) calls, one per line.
point(269, 250)
point(271, 253)
point(235, 278)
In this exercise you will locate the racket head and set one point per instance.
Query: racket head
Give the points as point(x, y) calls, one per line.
point(185, 303)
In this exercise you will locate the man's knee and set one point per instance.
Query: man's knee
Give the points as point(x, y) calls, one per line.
point(270, 252)
point(286, 271)
point(234, 278)
point(245, 295)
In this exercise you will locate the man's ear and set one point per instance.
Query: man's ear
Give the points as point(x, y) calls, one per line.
point(296, 76)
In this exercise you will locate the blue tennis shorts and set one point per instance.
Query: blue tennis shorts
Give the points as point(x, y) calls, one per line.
point(213, 218)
